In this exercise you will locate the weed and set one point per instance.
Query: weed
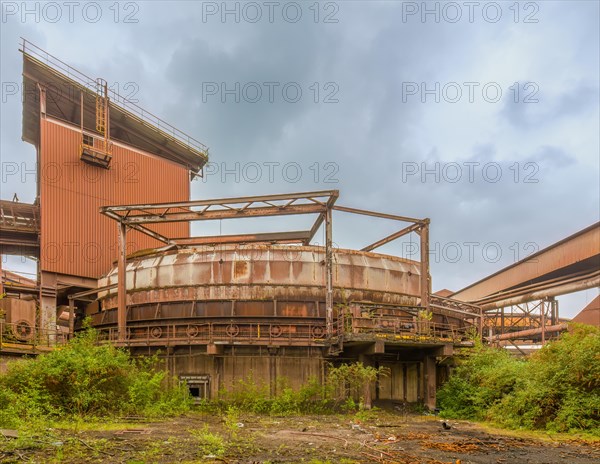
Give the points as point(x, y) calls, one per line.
point(211, 444)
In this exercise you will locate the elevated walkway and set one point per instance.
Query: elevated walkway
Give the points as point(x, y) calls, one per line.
point(19, 229)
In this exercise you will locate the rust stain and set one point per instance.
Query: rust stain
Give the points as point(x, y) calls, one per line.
point(240, 269)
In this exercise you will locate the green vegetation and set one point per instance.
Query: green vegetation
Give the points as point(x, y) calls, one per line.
point(556, 389)
point(342, 391)
point(209, 443)
point(85, 379)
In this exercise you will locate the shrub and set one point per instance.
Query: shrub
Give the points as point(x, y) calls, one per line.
point(210, 444)
point(556, 389)
point(85, 378)
point(345, 382)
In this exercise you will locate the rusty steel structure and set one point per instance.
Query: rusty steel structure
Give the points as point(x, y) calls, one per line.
point(220, 299)
point(20, 225)
point(114, 245)
point(93, 147)
point(519, 301)
point(138, 217)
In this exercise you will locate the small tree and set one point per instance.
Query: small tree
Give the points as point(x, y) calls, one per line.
point(349, 381)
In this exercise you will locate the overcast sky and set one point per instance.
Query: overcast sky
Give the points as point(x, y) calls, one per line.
point(482, 117)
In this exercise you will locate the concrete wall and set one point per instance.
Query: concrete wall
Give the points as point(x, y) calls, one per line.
point(296, 365)
point(403, 384)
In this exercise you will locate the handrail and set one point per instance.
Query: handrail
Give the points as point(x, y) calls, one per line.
point(22, 217)
point(224, 331)
point(404, 327)
point(120, 101)
point(16, 334)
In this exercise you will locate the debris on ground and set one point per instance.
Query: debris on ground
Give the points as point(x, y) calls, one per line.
point(327, 438)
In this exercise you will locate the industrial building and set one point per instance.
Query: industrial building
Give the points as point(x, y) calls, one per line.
point(110, 230)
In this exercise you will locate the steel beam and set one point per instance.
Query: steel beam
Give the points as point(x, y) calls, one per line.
point(425, 281)
point(276, 237)
point(550, 261)
point(93, 291)
point(329, 272)
point(211, 215)
point(226, 201)
point(376, 214)
point(571, 287)
point(151, 233)
point(525, 289)
point(392, 237)
point(122, 283)
point(315, 228)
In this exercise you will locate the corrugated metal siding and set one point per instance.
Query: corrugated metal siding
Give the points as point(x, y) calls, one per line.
point(75, 238)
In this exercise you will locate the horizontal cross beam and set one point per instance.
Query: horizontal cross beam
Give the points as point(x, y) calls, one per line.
point(311, 196)
point(275, 237)
point(220, 214)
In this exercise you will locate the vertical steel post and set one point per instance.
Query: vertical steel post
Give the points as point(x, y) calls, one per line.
point(122, 282)
point(329, 272)
point(554, 313)
point(543, 320)
point(71, 317)
point(81, 113)
point(1, 277)
point(425, 282)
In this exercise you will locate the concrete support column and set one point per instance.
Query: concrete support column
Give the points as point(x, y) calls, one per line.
point(217, 382)
point(366, 394)
point(273, 375)
point(47, 317)
point(430, 381)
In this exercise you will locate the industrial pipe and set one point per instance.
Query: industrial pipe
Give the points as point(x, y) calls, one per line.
point(528, 332)
point(538, 295)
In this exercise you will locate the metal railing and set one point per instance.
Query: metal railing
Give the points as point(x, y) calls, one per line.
point(21, 335)
point(401, 328)
point(19, 217)
point(120, 101)
point(229, 332)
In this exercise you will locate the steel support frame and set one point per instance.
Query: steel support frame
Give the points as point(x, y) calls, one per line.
point(536, 316)
point(321, 202)
point(122, 283)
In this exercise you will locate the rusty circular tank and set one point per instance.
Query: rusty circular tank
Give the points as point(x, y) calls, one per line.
point(255, 281)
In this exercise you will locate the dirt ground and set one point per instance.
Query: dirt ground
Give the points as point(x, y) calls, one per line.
point(377, 437)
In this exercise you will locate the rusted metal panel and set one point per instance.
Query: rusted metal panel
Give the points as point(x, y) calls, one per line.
point(16, 310)
point(75, 238)
point(590, 314)
point(579, 247)
point(265, 273)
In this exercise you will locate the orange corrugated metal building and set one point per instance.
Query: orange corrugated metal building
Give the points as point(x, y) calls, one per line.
point(94, 148)
point(75, 238)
